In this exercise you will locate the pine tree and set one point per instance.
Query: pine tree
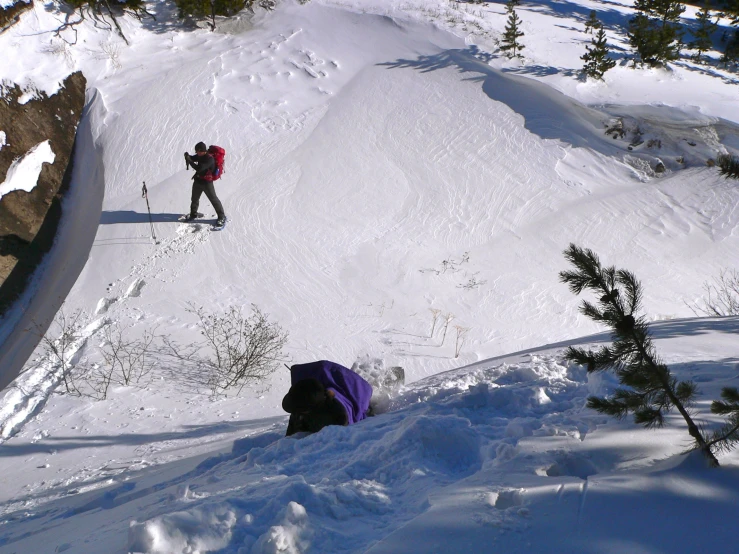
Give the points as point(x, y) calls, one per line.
point(702, 36)
point(510, 44)
point(596, 58)
point(592, 24)
point(210, 8)
point(728, 166)
point(731, 10)
point(649, 390)
point(731, 51)
point(643, 39)
point(654, 32)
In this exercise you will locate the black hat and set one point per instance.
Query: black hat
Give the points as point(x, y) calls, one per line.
point(200, 147)
point(304, 396)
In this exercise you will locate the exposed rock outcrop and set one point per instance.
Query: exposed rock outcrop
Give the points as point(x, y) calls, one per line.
point(28, 219)
point(10, 15)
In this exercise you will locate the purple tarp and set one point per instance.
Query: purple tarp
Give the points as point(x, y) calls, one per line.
point(350, 389)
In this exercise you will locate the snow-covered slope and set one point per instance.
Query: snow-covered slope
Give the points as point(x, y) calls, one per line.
point(498, 454)
point(379, 167)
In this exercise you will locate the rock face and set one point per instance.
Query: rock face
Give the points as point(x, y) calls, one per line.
point(10, 14)
point(28, 219)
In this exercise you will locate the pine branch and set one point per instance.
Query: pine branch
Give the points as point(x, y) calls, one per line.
point(651, 418)
point(730, 404)
point(728, 166)
point(592, 312)
point(726, 438)
point(601, 360)
point(613, 408)
point(686, 391)
point(575, 280)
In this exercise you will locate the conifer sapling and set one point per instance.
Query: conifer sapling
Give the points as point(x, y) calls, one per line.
point(511, 34)
point(596, 58)
point(702, 36)
point(649, 390)
point(592, 24)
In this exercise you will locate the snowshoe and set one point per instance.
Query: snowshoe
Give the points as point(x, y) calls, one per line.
point(189, 217)
point(220, 224)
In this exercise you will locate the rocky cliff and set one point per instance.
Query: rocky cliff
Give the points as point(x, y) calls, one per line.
point(28, 218)
point(10, 14)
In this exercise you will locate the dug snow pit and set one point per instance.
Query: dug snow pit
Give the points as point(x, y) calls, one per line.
point(568, 464)
point(507, 499)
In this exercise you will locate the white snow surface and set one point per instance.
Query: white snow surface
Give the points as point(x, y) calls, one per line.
point(24, 172)
point(384, 163)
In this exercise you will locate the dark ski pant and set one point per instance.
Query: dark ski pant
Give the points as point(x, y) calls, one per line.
point(200, 187)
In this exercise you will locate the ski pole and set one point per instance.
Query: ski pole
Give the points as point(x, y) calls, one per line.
point(146, 196)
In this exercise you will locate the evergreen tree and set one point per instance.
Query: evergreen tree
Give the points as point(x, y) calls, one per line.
point(596, 58)
point(592, 24)
point(728, 166)
point(210, 8)
point(702, 36)
point(731, 51)
point(731, 10)
point(643, 39)
point(510, 44)
point(649, 390)
point(654, 32)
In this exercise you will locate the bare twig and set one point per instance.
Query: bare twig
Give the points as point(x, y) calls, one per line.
point(461, 339)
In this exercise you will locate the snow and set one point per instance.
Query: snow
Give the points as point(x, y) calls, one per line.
point(384, 167)
point(24, 172)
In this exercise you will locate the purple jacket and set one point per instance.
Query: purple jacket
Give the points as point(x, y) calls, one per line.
point(350, 389)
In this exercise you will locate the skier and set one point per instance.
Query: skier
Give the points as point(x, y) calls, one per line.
point(204, 164)
point(325, 393)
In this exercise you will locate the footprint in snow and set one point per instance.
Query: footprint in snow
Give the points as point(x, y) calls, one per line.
point(104, 304)
point(134, 290)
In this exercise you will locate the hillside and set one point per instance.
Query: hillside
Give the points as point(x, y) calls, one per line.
point(384, 163)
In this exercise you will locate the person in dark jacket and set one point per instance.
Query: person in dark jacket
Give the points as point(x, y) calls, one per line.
point(325, 393)
point(204, 165)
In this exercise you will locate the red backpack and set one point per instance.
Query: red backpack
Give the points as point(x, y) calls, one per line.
point(219, 155)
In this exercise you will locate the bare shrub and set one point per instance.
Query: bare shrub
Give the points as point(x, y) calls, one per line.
point(461, 339)
point(237, 349)
point(128, 361)
point(59, 47)
point(447, 320)
point(58, 346)
point(721, 295)
point(112, 52)
point(434, 320)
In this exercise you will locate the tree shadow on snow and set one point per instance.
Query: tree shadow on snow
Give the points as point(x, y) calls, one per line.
point(694, 326)
point(131, 483)
point(188, 432)
point(547, 112)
